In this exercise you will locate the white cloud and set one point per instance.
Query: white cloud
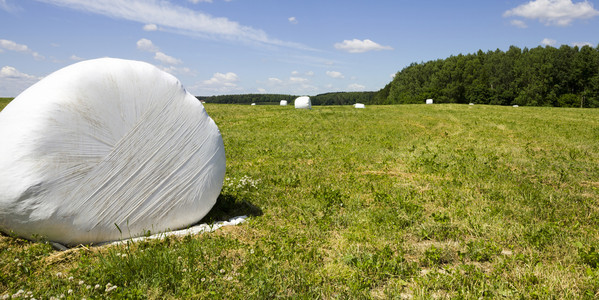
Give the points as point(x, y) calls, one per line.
point(177, 70)
point(75, 57)
point(12, 46)
point(335, 74)
point(198, 1)
point(222, 79)
point(554, 12)
point(159, 56)
point(261, 90)
point(518, 23)
point(13, 82)
point(582, 44)
point(150, 27)
point(292, 20)
point(293, 85)
point(548, 42)
point(173, 17)
point(220, 83)
point(297, 79)
point(294, 72)
point(8, 72)
point(358, 46)
point(356, 87)
point(309, 73)
point(7, 7)
point(146, 45)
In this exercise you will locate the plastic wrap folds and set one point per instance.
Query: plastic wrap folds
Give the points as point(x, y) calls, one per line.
point(106, 149)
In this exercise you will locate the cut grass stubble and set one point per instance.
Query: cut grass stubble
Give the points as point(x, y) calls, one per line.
point(388, 201)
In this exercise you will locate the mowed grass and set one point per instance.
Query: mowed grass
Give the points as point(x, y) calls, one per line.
point(410, 201)
point(4, 102)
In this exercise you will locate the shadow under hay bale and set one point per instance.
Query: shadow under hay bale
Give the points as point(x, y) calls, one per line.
point(228, 206)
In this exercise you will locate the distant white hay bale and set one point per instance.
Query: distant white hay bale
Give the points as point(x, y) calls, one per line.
point(106, 149)
point(253, 103)
point(471, 103)
point(303, 102)
point(283, 103)
point(429, 101)
point(359, 105)
point(515, 105)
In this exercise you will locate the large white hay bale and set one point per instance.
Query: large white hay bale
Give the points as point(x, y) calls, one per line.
point(283, 103)
point(106, 143)
point(429, 101)
point(359, 105)
point(303, 102)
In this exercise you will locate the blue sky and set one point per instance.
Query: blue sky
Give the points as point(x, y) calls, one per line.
point(303, 47)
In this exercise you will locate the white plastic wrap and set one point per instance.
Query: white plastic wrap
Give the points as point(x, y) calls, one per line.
point(303, 102)
point(283, 103)
point(359, 105)
point(429, 101)
point(106, 143)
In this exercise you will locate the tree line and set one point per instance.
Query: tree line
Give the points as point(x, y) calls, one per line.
point(542, 76)
point(248, 98)
point(337, 98)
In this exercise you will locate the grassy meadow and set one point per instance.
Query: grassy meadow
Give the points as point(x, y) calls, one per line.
point(405, 202)
point(4, 102)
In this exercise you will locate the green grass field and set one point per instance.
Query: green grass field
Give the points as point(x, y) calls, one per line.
point(410, 201)
point(4, 102)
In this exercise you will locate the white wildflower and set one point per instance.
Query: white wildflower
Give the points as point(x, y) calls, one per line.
point(110, 287)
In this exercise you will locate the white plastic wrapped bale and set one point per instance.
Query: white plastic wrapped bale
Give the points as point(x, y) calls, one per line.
point(359, 105)
point(429, 101)
point(106, 143)
point(283, 102)
point(303, 102)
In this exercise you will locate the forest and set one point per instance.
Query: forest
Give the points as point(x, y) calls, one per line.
point(542, 76)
